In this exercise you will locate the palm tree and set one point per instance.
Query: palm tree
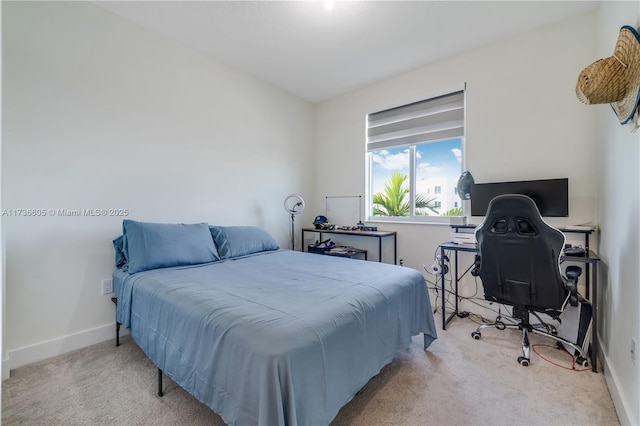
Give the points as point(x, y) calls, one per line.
point(456, 211)
point(425, 203)
point(393, 202)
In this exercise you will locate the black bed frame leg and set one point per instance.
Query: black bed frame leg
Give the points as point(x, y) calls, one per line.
point(115, 300)
point(160, 382)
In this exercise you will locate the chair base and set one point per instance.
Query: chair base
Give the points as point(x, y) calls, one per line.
point(526, 328)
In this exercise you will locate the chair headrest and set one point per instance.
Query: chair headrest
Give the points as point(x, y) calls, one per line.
point(512, 205)
point(513, 213)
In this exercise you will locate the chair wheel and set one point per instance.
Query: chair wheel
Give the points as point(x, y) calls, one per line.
point(476, 335)
point(523, 361)
point(582, 361)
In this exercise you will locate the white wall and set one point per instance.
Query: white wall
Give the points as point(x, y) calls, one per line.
point(618, 151)
point(100, 113)
point(523, 121)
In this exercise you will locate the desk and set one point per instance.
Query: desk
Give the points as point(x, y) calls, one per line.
point(590, 261)
point(586, 230)
point(371, 234)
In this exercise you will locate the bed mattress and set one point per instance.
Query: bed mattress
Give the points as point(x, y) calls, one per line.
point(278, 337)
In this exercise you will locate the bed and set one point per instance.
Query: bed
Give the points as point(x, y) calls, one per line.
point(259, 334)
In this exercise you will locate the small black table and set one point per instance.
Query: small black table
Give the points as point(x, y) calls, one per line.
point(380, 235)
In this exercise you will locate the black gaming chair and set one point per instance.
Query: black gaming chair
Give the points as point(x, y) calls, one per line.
point(519, 265)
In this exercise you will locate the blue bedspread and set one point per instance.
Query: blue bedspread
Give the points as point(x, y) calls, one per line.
point(275, 338)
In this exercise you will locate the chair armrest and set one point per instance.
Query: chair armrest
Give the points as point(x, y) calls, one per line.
point(573, 272)
point(475, 270)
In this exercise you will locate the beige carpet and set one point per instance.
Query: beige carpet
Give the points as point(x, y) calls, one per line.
point(458, 381)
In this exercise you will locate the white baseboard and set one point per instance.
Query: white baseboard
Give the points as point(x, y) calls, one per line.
point(624, 415)
point(5, 369)
point(51, 348)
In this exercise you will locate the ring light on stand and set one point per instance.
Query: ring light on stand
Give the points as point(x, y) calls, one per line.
point(293, 204)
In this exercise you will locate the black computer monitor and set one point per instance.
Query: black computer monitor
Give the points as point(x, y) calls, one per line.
point(550, 195)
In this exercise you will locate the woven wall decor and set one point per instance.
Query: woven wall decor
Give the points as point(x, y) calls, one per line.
point(615, 80)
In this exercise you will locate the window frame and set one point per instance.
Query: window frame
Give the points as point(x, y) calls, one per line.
point(413, 218)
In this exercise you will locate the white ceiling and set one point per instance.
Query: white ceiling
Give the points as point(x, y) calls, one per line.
point(317, 54)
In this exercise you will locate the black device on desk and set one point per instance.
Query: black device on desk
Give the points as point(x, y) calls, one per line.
point(570, 250)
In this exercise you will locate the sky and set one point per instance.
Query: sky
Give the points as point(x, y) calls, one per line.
point(433, 160)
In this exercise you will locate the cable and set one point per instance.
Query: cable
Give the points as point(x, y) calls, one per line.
point(573, 358)
point(447, 285)
point(436, 289)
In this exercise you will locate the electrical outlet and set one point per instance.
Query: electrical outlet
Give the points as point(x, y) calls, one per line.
point(634, 347)
point(107, 286)
point(401, 261)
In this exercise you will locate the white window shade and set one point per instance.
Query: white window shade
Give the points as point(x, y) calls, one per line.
point(431, 120)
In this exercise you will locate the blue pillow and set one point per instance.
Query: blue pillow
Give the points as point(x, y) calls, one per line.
point(234, 241)
point(160, 245)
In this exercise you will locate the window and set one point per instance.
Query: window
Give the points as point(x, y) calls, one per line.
point(415, 159)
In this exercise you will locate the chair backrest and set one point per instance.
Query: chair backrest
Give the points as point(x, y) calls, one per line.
point(520, 255)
